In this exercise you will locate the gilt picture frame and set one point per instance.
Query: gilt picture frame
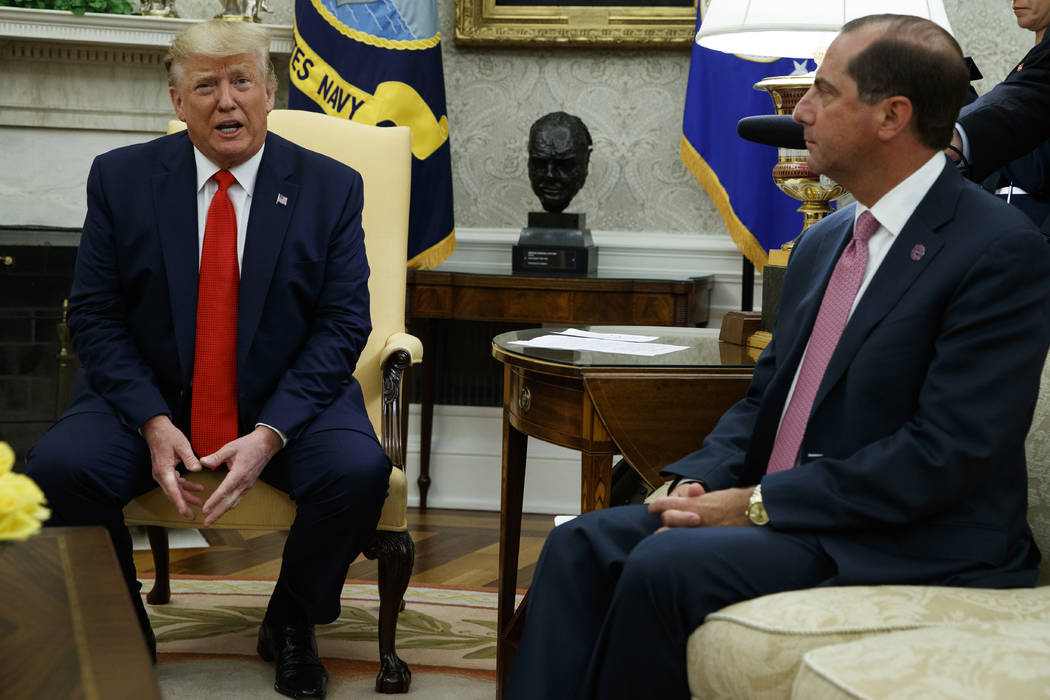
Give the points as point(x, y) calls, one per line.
point(583, 23)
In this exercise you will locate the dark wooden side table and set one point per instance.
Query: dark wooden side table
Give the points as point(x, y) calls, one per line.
point(67, 628)
point(449, 294)
point(651, 410)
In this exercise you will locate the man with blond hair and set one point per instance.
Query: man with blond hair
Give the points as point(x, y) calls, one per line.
point(882, 437)
point(219, 305)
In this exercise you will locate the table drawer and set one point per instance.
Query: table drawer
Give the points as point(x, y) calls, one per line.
point(546, 407)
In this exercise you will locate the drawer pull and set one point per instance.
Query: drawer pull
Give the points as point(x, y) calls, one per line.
point(525, 399)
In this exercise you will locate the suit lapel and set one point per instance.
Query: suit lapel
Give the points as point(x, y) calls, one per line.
point(896, 274)
point(267, 225)
point(175, 201)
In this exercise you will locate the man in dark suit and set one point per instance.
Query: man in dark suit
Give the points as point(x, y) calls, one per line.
point(1013, 118)
point(881, 439)
point(246, 365)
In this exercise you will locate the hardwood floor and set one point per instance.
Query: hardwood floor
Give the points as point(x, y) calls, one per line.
point(453, 547)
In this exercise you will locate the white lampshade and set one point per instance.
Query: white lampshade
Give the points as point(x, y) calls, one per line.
point(796, 28)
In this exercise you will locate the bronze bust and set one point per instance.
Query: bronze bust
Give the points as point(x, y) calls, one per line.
point(559, 153)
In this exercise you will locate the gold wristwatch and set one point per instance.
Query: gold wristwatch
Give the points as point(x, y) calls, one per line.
point(756, 511)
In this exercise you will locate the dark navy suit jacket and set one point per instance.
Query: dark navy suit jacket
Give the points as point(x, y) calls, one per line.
point(912, 467)
point(303, 314)
point(1013, 118)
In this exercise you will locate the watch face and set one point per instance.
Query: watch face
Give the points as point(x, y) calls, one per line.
point(756, 512)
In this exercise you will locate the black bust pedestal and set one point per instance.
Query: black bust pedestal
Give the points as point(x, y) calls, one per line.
point(555, 244)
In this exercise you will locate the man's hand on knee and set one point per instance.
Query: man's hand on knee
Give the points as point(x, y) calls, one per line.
point(168, 448)
point(245, 457)
point(690, 506)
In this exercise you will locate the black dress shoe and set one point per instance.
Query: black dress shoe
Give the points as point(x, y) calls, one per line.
point(299, 670)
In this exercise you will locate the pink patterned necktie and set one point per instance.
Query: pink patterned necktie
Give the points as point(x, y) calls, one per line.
point(831, 319)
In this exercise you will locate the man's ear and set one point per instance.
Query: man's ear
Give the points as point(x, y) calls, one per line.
point(176, 102)
point(895, 114)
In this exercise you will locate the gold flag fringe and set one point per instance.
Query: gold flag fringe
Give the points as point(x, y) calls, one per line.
point(742, 237)
point(435, 254)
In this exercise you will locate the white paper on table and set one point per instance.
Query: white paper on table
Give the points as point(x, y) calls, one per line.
point(614, 347)
point(609, 336)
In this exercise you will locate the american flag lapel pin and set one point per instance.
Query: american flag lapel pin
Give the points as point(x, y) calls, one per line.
point(917, 251)
point(282, 200)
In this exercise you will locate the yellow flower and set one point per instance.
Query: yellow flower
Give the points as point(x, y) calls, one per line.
point(21, 501)
point(7, 458)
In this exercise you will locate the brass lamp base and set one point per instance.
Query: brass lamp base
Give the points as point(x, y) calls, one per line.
point(793, 176)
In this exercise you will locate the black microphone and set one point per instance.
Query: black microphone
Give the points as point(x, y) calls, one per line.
point(772, 130)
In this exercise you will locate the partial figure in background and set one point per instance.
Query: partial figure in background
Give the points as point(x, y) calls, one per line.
point(1013, 118)
point(1025, 182)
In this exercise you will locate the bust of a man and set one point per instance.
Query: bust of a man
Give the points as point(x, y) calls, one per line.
point(559, 153)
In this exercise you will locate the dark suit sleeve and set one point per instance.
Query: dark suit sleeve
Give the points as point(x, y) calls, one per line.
point(1011, 119)
point(341, 323)
point(97, 314)
point(964, 440)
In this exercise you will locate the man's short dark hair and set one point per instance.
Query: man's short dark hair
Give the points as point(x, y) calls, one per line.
point(918, 59)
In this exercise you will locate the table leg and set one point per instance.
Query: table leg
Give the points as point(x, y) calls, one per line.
point(596, 460)
point(513, 489)
point(426, 421)
point(596, 471)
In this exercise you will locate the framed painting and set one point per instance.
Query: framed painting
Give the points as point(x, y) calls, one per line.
point(591, 23)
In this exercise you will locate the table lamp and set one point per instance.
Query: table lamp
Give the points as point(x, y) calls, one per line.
point(794, 29)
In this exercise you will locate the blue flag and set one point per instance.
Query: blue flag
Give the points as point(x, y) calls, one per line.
point(737, 174)
point(379, 62)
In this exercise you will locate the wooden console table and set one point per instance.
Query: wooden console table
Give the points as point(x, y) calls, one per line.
point(471, 296)
point(67, 628)
point(651, 410)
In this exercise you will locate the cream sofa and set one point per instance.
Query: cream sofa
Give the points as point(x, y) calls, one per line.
point(890, 641)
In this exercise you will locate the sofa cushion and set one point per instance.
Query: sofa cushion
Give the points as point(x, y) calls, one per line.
point(753, 649)
point(989, 660)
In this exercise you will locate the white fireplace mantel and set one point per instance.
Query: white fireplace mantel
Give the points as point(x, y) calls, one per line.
point(126, 31)
point(98, 72)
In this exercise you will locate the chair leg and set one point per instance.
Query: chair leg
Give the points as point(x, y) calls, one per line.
point(158, 543)
point(395, 552)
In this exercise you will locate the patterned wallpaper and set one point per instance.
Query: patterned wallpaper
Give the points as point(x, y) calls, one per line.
point(632, 103)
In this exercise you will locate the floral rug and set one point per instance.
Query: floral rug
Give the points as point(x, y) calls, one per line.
point(450, 627)
point(447, 636)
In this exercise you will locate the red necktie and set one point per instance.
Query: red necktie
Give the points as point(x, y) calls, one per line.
point(831, 320)
point(213, 412)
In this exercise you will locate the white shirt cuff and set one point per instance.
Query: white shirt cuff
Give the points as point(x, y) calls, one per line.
point(284, 438)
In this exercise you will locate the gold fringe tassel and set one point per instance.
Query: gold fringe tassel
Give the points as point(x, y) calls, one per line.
point(707, 178)
point(435, 254)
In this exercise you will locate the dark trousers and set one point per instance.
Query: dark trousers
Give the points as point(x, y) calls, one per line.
point(613, 603)
point(89, 466)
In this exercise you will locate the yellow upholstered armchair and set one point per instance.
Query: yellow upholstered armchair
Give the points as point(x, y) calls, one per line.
point(383, 158)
